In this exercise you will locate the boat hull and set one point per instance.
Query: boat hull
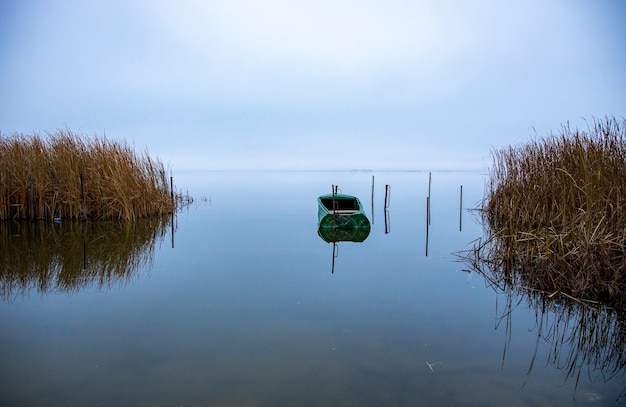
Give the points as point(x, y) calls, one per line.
point(341, 212)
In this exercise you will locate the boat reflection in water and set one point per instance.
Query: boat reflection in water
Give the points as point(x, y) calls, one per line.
point(71, 256)
point(341, 218)
point(346, 234)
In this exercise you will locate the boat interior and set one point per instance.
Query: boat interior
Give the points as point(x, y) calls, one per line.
point(341, 205)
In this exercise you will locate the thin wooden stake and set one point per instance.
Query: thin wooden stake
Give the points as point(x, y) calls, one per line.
point(428, 209)
point(387, 196)
point(461, 210)
point(427, 217)
point(372, 199)
point(334, 188)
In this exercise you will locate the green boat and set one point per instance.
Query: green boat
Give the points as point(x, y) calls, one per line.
point(342, 212)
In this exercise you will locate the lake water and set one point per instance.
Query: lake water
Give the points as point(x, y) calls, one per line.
point(239, 302)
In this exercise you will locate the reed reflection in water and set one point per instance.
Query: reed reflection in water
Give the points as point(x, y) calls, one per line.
point(69, 256)
point(583, 339)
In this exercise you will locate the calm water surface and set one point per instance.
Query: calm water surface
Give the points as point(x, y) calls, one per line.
point(245, 305)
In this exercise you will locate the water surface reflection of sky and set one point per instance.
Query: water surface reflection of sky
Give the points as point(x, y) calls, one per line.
point(244, 310)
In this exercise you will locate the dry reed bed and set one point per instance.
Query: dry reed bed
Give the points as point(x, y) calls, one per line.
point(64, 175)
point(556, 214)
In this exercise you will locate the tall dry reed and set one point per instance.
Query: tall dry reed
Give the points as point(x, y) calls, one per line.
point(69, 176)
point(556, 212)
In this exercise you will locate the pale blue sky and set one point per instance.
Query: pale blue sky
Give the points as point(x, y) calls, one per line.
point(320, 84)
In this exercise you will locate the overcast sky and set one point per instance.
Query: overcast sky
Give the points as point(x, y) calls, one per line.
point(319, 84)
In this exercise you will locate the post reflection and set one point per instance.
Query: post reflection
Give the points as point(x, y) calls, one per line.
point(336, 235)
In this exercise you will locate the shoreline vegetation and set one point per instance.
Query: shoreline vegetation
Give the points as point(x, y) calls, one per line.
point(554, 214)
point(65, 175)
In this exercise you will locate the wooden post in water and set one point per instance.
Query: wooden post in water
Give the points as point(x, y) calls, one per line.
point(387, 197)
point(427, 218)
point(428, 209)
point(372, 199)
point(461, 210)
point(334, 189)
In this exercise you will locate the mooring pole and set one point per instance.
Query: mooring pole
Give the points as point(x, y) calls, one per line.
point(172, 188)
point(372, 199)
point(461, 210)
point(428, 209)
point(427, 218)
point(387, 197)
point(334, 188)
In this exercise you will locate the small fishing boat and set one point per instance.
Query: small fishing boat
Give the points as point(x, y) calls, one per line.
point(341, 211)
